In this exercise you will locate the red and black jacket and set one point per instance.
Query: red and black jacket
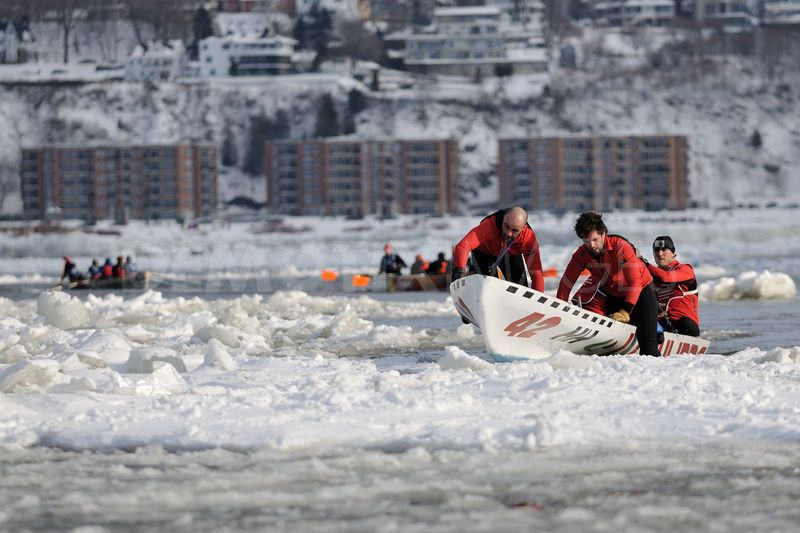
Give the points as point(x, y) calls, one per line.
point(676, 288)
point(488, 238)
point(619, 271)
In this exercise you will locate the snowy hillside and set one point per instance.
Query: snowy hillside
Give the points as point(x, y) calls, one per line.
point(719, 107)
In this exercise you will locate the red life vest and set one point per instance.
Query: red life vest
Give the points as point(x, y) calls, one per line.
point(676, 288)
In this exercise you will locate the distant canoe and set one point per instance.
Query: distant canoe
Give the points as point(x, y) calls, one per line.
point(139, 281)
point(417, 282)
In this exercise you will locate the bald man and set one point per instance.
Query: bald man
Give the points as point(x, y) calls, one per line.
point(504, 234)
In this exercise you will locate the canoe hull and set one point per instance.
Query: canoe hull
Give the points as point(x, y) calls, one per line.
point(517, 321)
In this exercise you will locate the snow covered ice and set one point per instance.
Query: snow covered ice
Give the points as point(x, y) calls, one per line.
point(319, 407)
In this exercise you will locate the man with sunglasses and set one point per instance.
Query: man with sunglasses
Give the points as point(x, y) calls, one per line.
point(676, 288)
point(505, 241)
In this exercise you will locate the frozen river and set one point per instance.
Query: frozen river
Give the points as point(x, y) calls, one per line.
point(426, 455)
point(243, 393)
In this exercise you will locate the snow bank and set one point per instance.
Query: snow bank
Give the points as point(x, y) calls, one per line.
point(763, 285)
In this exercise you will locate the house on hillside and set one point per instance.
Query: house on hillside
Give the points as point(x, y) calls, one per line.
point(17, 44)
point(730, 15)
point(246, 55)
point(634, 13)
point(781, 12)
point(473, 41)
point(157, 62)
point(344, 9)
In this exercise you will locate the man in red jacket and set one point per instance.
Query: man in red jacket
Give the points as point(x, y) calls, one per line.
point(623, 277)
point(676, 289)
point(506, 241)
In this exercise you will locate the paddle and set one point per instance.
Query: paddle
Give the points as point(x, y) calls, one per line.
point(493, 268)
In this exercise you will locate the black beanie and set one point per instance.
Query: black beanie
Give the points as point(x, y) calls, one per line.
point(664, 241)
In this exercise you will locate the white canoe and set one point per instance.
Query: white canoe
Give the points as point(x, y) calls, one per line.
point(517, 321)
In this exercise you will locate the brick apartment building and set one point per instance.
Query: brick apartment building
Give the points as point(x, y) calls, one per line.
point(594, 173)
point(119, 182)
point(356, 177)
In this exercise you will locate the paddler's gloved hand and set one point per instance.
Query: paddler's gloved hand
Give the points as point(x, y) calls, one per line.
point(621, 316)
point(459, 273)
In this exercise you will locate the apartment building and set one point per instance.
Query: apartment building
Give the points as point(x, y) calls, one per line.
point(594, 173)
point(356, 177)
point(119, 182)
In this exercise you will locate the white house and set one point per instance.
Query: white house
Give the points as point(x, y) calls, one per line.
point(781, 12)
point(634, 12)
point(521, 11)
point(245, 55)
point(159, 62)
point(476, 40)
point(9, 43)
point(240, 23)
point(346, 9)
point(730, 14)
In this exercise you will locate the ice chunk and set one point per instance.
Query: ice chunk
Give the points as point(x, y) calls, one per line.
point(163, 380)
point(7, 340)
point(346, 323)
point(763, 285)
point(29, 376)
point(218, 357)
point(455, 358)
point(225, 335)
point(61, 310)
point(143, 360)
point(139, 334)
point(14, 354)
point(107, 346)
point(782, 355)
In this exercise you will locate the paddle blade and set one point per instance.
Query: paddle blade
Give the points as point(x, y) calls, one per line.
point(359, 280)
point(550, 273)
point(329, 275)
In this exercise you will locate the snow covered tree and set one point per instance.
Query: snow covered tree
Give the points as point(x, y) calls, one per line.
point(755, 140)
point(230, 154)
point(300, 33)
point(327, 118)
point(359, 43)
point(263, 129)
point(356, 101)
point(319, 31)
point(202, 27)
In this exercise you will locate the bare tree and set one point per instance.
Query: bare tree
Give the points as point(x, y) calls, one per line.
point(359, 43)
point(65, 13)
point(160, 20)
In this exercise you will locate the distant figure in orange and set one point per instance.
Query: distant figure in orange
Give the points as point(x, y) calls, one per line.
point(419, 266)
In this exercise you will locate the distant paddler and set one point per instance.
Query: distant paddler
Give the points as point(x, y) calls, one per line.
point(503, 240)
point(391, 263)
